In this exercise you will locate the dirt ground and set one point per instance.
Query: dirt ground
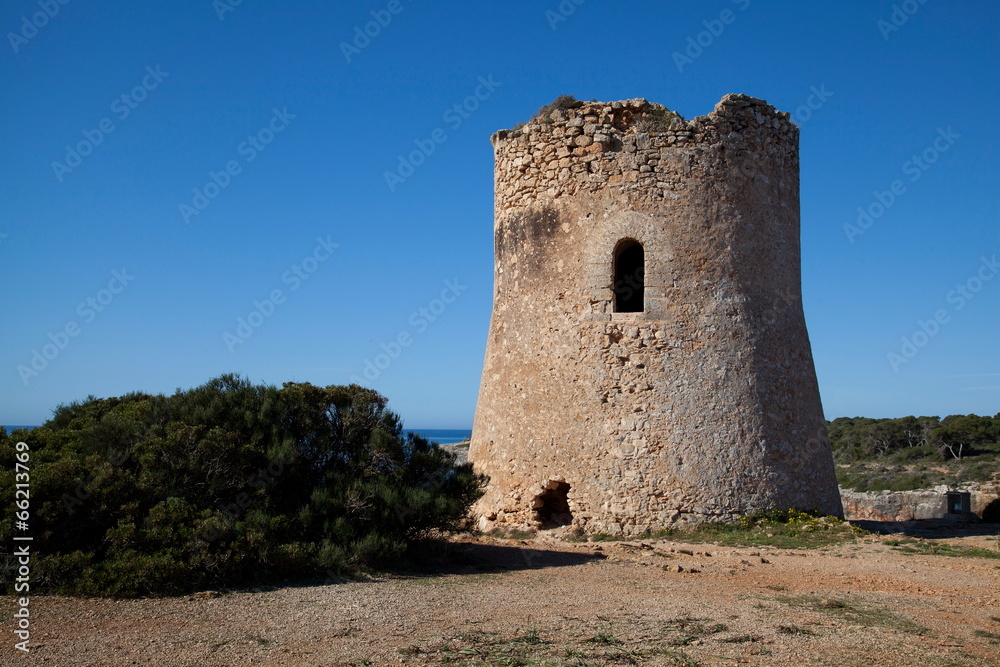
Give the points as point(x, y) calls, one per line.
point(549, 602)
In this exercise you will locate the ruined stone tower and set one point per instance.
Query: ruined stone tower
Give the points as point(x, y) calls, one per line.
point(648, 362)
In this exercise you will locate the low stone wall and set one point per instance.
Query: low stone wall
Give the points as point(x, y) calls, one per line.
point(911, 505)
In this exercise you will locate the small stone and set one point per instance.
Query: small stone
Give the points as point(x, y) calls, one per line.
point(583, 140)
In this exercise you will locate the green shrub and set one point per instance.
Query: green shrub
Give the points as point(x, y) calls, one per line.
point(561, 102)
point(659, 120)
point(224, 485)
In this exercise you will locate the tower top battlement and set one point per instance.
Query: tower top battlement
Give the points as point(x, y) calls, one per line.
point(586, 146)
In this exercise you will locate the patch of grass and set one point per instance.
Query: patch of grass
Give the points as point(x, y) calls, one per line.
point(344, 632)
point(934, 548)
point(855, 613)
point(532, 636)
point(591, 648)
point(680, 659)
point(605, 537)
point(992, 636)
point(576, 535)
point(742, 639)
point(684, 630)
point(512, 534)
point(785, 529)
point(484, 648)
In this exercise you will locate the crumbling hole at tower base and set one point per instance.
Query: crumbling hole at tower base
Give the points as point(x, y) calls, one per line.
point(552, 506)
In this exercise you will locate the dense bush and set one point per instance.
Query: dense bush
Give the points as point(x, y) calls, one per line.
point(226, 484)
point(914, 452)
point(908, 438)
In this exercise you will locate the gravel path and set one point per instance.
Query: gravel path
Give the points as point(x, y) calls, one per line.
point(508, 602)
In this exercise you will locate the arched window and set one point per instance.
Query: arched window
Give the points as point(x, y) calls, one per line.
point(629, 274)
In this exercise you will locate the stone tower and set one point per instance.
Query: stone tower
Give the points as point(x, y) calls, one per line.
point(648, 363)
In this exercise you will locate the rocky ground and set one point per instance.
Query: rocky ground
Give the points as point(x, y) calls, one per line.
point(875, 601)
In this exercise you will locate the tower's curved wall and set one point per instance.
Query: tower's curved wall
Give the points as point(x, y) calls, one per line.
point(705, 404)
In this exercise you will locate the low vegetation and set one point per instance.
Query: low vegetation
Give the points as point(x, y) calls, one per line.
point(582, 647)
point(914, 452)
point(786, 529)
point(909, 545)
point(561, 102)
point(659, 120)
point(543, 114)
point(853, 612)
point(227, 484)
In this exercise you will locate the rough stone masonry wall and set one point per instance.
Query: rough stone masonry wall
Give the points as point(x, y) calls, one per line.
point(705, 405)
point(914, 505)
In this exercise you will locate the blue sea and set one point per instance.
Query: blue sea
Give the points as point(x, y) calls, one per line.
point(444, 436)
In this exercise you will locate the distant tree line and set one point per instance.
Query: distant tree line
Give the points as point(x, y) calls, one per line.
point(227, 484)
point(954, 437)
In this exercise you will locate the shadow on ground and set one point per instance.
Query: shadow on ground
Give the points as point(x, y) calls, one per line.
point(436, 558)
point(442, 558)
point(930, 528)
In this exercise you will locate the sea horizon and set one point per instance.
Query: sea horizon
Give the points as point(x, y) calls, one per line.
point(442, 436)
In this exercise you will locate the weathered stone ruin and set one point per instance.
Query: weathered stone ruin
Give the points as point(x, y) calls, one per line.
point(648, 363)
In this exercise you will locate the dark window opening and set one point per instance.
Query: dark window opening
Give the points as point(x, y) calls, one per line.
point(552, 506)
point(629, 274)
point(959, 502)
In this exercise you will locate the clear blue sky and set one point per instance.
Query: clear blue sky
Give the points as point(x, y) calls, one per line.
point(267, 92)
